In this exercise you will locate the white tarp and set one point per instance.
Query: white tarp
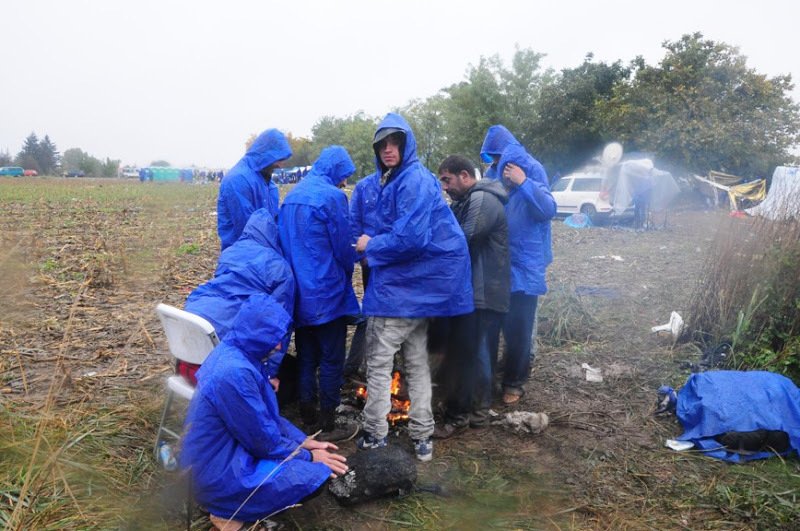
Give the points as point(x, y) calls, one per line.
point(636, 176)
point(783, 198)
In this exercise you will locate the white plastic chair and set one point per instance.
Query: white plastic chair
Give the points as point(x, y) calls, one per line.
point(190, 338)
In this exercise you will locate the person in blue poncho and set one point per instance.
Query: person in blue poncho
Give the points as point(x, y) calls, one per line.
point(363, 220)
point(419, 268)
point(248, 185)
point(236, 443)
point(529, 210)
point(254, 264)
point(315, 237)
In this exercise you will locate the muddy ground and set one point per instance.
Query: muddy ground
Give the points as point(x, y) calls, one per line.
point(84, 263)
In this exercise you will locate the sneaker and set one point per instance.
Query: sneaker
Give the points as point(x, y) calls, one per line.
point(424, 449)
point(367, 442)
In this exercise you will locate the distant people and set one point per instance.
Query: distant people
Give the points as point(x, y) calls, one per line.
point(363, 220)
point(419, 268)
point(479, 207)
point(315, 237)
point(529, 210)
point(248, 185)
point(244, 460)
point(252, 265)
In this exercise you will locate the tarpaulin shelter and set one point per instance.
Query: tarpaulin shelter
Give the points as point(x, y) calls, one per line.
point(718, 183)
point(783, 200)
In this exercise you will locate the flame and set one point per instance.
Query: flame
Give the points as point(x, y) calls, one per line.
point(400, 407)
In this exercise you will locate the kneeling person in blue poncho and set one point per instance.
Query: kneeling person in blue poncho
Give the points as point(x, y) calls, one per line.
point(236, 444)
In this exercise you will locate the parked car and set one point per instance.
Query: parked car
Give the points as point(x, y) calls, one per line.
point(582, 192)
point(30, 173)
point(74, 173)
point(12, 171)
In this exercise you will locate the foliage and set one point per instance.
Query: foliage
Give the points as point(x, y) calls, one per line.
point(750, 295)
point(426, 118)
point(302, 151)
point(567, 132)
point(75, 159)
point(354, 133)
point(40, 155)
point(702, 108)
point(5, 158)
point(161, 163)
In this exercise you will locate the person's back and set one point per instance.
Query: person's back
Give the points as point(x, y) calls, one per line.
point(248, 186)
point(315, 238)
point(252, 265)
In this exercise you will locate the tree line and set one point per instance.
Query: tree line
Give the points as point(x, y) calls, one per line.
point(43, 156)
point(700, 108)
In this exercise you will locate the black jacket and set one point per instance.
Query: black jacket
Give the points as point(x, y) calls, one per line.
point(482, 217)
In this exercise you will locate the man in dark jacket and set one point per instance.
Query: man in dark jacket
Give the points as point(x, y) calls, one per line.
point(248, 185)
point(419, 269)
point(529, 210)
point(472, 347)
point(315, 237)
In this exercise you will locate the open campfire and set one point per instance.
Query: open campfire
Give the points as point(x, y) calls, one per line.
point(400, 402)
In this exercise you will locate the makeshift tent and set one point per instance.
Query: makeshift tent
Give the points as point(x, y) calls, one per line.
point(717, 184)
point(639, 176)
point(783, 199)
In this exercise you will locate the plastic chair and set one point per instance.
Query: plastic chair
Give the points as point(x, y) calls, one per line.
point(190, 338)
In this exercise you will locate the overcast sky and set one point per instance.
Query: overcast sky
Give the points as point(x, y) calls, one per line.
point(189, 81)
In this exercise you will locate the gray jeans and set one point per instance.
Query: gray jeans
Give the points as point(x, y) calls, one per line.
point(385, 336)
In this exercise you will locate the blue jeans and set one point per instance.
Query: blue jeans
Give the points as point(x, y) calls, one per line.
point(517, 331)
point(321, 347)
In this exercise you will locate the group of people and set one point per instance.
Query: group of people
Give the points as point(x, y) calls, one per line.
point(287, 268)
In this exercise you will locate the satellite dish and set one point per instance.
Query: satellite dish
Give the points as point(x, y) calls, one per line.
point(612, 154)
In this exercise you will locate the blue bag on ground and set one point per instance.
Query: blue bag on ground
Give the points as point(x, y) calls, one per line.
point(714, 403)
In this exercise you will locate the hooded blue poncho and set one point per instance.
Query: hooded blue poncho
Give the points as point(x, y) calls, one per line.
point(254, 264)
point(419, 259)
point(244, 190)
point(529, 210)
point(315, 236)
point(234, 435)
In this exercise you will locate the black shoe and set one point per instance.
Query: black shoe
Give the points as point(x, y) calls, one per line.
point(446, 430)
point(308, 413)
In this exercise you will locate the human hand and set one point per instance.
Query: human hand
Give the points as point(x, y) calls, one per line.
point(362, 242)
point(313, 444)
point(336, 462)
point(514, 174)
point(275, 383)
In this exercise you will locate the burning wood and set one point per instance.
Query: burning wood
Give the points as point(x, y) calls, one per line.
point(400, 402)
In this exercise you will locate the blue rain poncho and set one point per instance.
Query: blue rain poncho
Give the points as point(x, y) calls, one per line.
point(244, 190)
point(418, 257)
point(529, 210)
point(252, 265)
point(315, 236)
point(363, 206)
point(715, 402)
point(234, 435)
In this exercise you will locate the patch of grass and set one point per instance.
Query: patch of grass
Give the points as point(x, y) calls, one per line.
point(563, 318)
point(189, 248)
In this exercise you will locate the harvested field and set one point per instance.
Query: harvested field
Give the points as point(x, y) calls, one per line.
point(83, 359)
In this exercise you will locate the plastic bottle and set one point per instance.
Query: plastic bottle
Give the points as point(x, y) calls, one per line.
point(167, 457)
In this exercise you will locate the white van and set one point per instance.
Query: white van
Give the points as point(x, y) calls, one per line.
point(582, 192)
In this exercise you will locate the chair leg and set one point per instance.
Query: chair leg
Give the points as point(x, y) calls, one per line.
point(164, 414)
